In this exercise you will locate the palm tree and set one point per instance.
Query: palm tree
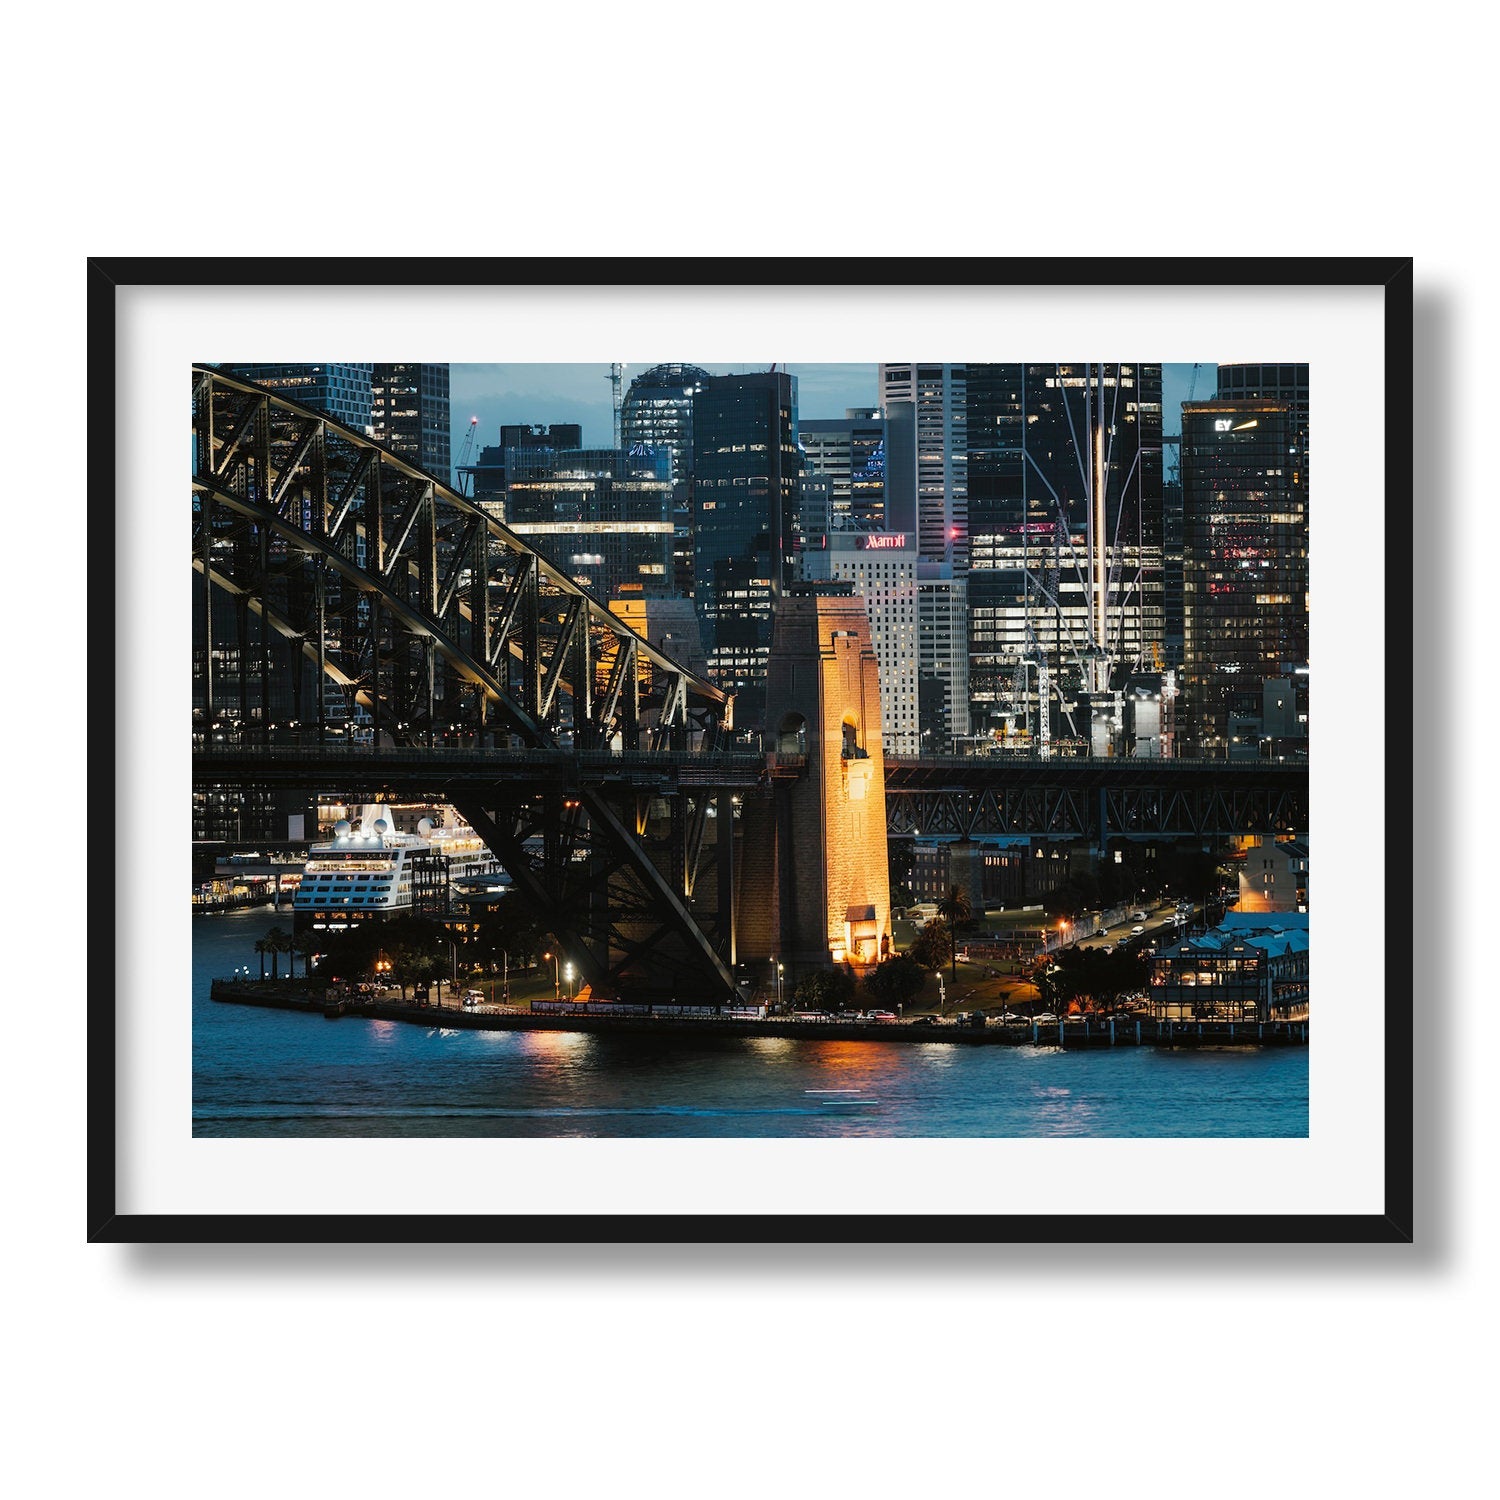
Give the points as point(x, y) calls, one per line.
point(262, 947)
point(954, 909)
point(279, 941)
point(302, 943)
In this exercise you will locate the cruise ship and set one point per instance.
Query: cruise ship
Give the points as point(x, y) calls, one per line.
point(370, 870)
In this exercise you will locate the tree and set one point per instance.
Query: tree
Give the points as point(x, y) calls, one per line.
point(1091, 975)
point(278, 941)
point(304, 943)
point(407, 965)
point(930, 948)
point(826, 989)
point(955, 910)
point(895, 982)
point(262, 947)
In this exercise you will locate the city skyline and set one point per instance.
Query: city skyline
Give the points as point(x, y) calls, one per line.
point(507, 394)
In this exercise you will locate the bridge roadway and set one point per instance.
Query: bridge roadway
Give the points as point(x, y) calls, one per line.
point(970, 797)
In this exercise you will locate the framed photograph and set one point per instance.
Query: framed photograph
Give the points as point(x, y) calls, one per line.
point(768, 790)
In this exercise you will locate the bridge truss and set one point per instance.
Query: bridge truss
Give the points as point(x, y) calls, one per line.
point(1094, 800)
point(348, 596)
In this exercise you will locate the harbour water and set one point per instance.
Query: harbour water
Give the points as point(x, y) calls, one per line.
point(259, 1072)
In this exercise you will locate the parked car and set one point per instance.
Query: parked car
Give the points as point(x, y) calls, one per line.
point(882, 1015)
point(1137, 930)
point(1045, 1016)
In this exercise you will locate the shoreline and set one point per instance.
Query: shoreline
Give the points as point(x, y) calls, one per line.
point(1070, 1035)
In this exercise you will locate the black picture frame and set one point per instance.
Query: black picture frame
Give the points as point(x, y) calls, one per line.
point(1393, 1224)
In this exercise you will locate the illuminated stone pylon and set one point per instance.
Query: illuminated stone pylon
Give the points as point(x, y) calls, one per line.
point(813, 875)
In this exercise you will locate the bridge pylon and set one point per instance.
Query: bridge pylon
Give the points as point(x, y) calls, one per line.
point(814, 851)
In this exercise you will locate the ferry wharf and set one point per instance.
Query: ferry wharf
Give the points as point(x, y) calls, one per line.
point(1072, 1034)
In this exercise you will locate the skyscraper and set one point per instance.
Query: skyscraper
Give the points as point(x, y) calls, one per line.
point(341, 391)
point(936, 394)
point(928, 402)
point(409, 414)
point(1245, 566)
point(404, 407)
point(871, 469)
point(1065, 583)
point(603, 515)
point(746, 474)
point(882, 566)
point(657, 412)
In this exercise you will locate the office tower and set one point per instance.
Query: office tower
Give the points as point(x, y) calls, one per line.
point(939, 412)
point(409, 414)
point(341, 391)
point(657, 412)
point(942, 658)
point(403, 407)
point(882, 566)
point(603, 515)
point(487, 473)
point(1245, 571)
point(1284, 384)
point(927, 421)
point(1171, 553)
point(870, 466)
point(1065, 581)
point(745, 496)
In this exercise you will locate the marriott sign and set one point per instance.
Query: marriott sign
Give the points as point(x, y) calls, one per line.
point(883, 540)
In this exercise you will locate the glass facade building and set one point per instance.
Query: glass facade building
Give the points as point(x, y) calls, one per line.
point(410, 415)
point(1245, 566)
point(852, 452)
point(602, 515)
point(341, 391)
point(746, 490)
point(1034, 433)
point(657, 412)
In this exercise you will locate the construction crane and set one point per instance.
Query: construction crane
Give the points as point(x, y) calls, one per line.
point(1193, 383)
point(616, 379)
point(465, 454)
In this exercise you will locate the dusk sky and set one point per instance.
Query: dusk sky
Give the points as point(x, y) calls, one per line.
point(545, 393)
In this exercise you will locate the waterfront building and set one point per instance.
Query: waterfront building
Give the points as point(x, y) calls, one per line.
point(603, 515)
point(657, 412)
point(1245, 570)
point(1252, 967)
point(410, 414)
point(1273, 876)
point(882, 567)
point(1045, 588)
point(746, 489)
point(341, 391)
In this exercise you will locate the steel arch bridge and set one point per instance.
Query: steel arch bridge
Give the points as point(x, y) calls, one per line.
point(345, 593)
point(1094, 800)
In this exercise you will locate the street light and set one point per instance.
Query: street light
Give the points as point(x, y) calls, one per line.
point(568, 975)
point(779, 972)
point(556, 981)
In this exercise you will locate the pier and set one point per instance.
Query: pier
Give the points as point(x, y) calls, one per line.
point(1075, 1034)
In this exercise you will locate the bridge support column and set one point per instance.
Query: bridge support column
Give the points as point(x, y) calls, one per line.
point(831, 887)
